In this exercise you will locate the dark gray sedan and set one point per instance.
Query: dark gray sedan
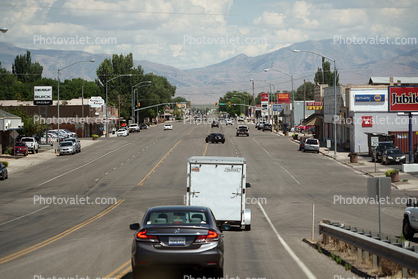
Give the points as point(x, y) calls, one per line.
point(179, 237)
point(393, 156)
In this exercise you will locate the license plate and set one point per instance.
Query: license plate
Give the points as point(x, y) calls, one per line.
point(397, 160)
point(177, 241)
point(18, 151)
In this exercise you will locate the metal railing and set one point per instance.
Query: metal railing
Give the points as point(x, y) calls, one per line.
point(398, 252)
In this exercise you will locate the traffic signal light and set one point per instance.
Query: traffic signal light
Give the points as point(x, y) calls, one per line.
point(229, 104)
point(176, 104)
point(190, 103)
point(139, 104)
point(216, 104)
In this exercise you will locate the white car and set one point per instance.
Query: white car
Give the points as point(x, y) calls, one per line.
point(122, 133)
point(229, 122)
point(168, 127)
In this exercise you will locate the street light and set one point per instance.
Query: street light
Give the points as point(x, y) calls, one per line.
point(58, 103)
point(293, 94)
point(132, 95)
point(335, 95)
point(107, 115)
point(252, 82)
point(3, 30)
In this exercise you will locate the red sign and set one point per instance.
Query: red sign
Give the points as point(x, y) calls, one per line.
point(264, 97)
point(367, 121)
point(313, 105)
point(283, 97)
point(403, 99)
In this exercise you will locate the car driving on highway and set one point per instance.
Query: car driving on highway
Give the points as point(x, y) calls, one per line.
point(177, 236)
point(122, 132)
point(215, 138)
point(168, 127)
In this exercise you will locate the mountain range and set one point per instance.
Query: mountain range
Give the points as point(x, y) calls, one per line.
point(356, 63)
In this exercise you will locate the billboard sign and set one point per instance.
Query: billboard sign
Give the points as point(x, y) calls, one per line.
point(96, 102)
point(403, 98)
point(313, 105)
point(277, 107)
point(42, 95)
point(367, 121)
point(370, 98)
point(283, 97)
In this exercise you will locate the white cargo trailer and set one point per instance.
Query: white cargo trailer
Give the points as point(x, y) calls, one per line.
point(220, 184)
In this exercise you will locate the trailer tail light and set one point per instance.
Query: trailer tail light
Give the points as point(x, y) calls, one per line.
point(143, 236)
point(211, 236)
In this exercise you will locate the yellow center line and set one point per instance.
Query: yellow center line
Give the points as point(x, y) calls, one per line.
point(59, 236)
point(165, 156)
point(126, 267)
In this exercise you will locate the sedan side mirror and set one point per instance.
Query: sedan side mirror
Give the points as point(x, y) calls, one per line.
point(134, 226)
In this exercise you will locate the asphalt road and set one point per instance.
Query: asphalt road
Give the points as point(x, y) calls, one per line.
point(131, 174)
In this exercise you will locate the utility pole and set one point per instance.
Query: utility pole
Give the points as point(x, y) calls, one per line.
point(119, 112)
point(304, 100)
point(82, 109)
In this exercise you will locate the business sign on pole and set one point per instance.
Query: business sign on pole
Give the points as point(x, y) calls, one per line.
point(42, 95)
point(264, 97)
point(403, 98)
point(283, 97)
point(313, 105)
point(96, 102)
point(277, 107)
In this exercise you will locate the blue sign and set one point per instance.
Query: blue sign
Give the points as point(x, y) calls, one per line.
point(370, 98)
point(277, 107)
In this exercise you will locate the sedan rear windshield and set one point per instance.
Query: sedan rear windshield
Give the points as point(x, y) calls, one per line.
point(177, 217)
point(26, 139)
point(66, 143)
point(312, 141)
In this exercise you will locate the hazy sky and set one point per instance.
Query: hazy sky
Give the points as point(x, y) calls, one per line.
point(195, 33)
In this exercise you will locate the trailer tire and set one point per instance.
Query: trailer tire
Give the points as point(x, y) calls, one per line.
point(248, 227)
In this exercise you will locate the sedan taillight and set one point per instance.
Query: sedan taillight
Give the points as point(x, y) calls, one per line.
point(143, 236)
point(211, 236)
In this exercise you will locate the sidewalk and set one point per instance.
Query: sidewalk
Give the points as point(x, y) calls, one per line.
point(366, 166)
point(17, 163)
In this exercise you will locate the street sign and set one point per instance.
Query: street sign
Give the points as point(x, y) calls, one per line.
point(374, 141)
point(42, 95)
point(221, 104)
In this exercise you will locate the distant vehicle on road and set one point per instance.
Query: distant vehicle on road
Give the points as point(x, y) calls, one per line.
point(143, 126)
point(385, 145)
point(3, 172)
point(215, 138)
point(215, 124)
point(20, 148)
point(122, 133)
point(168, 127)
point(393, 156)
point(229, 122)
point(302, 145)
point(134, 128)
point(67, 147)
point(177, 235)
point(243, 130)
point(267, 127)
point(311, 145)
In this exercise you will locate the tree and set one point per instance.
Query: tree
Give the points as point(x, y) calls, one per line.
point(179, 100)
point(236, 98)
point(324, 74)
point(25, 70)
point(30, 127)
point(309, 91)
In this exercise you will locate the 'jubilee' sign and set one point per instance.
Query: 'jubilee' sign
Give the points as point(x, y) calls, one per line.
point(403, 98)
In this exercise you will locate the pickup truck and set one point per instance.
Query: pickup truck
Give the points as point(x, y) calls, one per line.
point(134, 128)
point(410, 220)
point(31, 143)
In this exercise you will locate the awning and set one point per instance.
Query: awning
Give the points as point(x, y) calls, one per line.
point(312, 120)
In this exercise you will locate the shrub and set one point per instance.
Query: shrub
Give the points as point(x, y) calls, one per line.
point(8, 150)
point(95, 136)
point(389, 172)
point(5, 163)
point(352, 154)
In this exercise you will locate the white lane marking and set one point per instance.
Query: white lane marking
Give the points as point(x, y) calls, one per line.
point(278, 163)
point(88, 163)
point(24, 215)
point(302, 266)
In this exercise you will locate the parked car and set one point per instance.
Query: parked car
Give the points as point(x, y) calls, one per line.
point(134, 128)
point(3, 172)
point(393, 156)
point(20, 148)
point(243, 130)
point(67, 147)
point(70, 134)
point(311, 145)
point(181, 235)
point(143, 126)
point(384, 145)
point(267, 127)
point(168, 127)
point(31, 143)
point(215, 124)
point(229, 122)
point(260, 125)
point(215, 138)
point(76, 143)
point(311, 130)
point(410, 222)
point(302, 145)
point(122, 133)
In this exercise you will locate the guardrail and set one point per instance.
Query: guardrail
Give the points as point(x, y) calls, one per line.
point(398, 252)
